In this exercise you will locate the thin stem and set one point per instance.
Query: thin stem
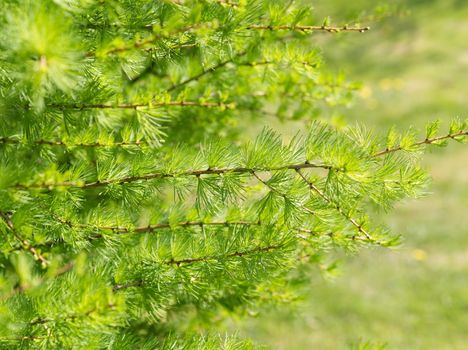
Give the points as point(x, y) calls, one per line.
point(60, 271)
point(137, 106)
point(188, 261)
point(71, 317)
point(312, 233)
point(205, 72)
point(161, 175)
point(141, 43)
point(22, 337)
point(26, 245)
point(335, 205)
point(297, 28)
point(303, 28)
point(161, 226)
point(279, 192)
point(423, 142)
point(9, 140)
point(223, 64)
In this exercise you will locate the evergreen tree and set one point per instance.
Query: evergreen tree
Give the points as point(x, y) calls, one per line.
point(132, 214)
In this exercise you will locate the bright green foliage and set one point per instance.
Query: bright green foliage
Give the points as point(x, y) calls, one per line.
point(130, 215)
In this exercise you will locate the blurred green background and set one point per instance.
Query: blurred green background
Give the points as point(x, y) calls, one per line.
point(414, 68)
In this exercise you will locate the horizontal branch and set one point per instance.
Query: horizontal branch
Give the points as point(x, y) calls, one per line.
point(22, 338)
point(150, 40)
point(137, 106)
point(97, 144)
point(188, 261)
point(9, 140)
point(302, 28)
point(160, 175)
point(423, 142)
point(160, 226)
point(155, 38)
point(209, 171)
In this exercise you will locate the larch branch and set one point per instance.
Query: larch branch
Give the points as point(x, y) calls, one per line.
point(161, 175)
point(188, 261)
point(335, 205)
point(26, 245)
point(423, 142)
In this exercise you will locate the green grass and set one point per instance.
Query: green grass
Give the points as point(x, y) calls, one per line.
point(414, 69)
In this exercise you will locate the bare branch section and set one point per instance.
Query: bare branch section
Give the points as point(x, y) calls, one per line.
point(301, 28)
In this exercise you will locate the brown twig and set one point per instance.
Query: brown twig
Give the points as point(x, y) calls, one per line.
point(423, 142)
point(160, 226)
point(304, 28)
point(160, 175)
point(9, 140)
point(137, 106)
point(298, 28)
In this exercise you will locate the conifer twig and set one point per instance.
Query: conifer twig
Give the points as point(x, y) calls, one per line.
point(150, 40)
point(206, 71)
point(156, 227)
point(24, 242)
point(223, 64)
point(9, 140)
point(305, 28)
point(71, 317)
point(423, 142)
point(160, 226)
point(298, 28)
point(335, 205)
point(188, 261)
point(22, 337)
point(279, 192)
point(137, 106)
point(160, 175)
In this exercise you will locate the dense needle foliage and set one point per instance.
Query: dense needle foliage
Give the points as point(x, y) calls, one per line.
point(131, 214)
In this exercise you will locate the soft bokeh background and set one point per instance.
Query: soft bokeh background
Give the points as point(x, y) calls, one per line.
point(414, 68)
